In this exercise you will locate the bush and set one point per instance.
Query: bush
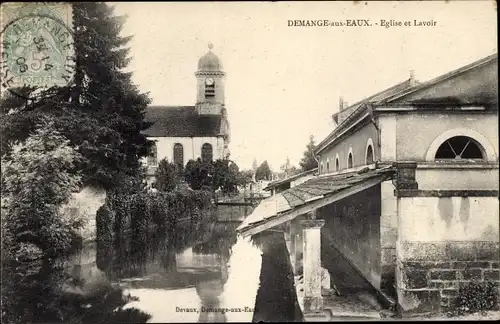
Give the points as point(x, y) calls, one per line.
point(37, 179)
point(104, 229)
point(168, 176)
point(174, 217)
point(477, 297)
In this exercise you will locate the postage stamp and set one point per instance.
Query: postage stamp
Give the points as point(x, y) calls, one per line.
point(37, 45)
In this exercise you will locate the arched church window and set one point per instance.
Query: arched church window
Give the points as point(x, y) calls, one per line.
point(369, 155)
point(459, 147)
point(153, 155)
point(207, 153)
point(327, 166)
point(337, 164)
point(349, 161)
point(178, 154)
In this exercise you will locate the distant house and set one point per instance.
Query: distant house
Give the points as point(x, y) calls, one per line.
point(277, 186)
point(257, 188)
point(183, 133)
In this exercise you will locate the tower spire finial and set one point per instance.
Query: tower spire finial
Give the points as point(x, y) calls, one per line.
point(210, 46)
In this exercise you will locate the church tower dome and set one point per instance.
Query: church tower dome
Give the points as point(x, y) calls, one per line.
point(209, 62)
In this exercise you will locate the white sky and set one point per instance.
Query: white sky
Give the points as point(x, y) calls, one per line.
point(283, 83)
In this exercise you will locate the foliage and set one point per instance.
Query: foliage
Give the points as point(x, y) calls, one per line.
point(37, 182)
point(221, 174)
point(101, 112)
point(139, 225)
point(246, 177)
point(167, 176)
point(104, 235)
point(36, 235)
point(263, 172)
point(227, 176)
point(100, 115)
point(476, 296)
point(198, 174)
point(308, 161)
point(176, 218)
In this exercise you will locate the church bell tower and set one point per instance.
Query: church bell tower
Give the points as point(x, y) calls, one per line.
point(210, 77)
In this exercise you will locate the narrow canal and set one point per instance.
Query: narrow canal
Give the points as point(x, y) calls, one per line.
point(223, 279)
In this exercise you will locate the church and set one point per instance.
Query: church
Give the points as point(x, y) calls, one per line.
point(183, 133)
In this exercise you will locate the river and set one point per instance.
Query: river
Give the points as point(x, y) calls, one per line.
point(224, 279)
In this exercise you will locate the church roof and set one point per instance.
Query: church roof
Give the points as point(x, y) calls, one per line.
point(180, 121)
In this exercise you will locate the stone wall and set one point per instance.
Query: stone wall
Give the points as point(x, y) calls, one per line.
point(442, 242)
point(353, 226)
point(233, 212)
point(84, 204)
point(431, 274)
point(388, 236)
point(82, 266)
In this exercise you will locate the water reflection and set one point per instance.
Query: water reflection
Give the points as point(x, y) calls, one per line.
point(276, 299)
point(221, 279)
point(209, 291)
point(211, 281)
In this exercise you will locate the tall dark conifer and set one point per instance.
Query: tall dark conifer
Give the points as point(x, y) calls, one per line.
point(308, 161)
point(101, 111)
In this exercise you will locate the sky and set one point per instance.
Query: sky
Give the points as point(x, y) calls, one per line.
point(283, 83)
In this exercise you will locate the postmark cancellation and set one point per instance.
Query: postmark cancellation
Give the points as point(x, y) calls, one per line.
point(37, 45)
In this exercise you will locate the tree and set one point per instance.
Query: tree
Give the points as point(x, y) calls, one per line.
point(198, 174)
point(255, 165)
point(308, 161)
point(167, 176)
point(221, 174)
point(246, 177)
point(263, 172)
point(101, 112)
point(37, 181)
point(226, 176)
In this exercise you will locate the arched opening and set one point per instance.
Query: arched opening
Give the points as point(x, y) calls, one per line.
point(487, 149)
point(337, 164)
point(369, 155)
point(178, 154)
point(207, 153)
point(327, 166)
point(153, 155)
point(459, 147)
point(349, 161)
point(321, 167)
